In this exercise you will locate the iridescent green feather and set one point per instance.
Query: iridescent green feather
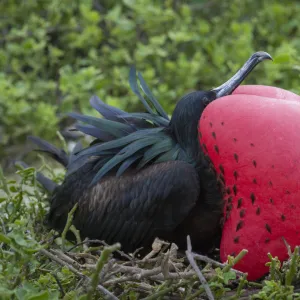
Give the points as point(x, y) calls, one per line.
point(124, 139)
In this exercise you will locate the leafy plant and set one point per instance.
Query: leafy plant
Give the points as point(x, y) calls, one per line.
point(54, 55)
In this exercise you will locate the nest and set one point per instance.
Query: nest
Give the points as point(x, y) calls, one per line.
point(164, 272)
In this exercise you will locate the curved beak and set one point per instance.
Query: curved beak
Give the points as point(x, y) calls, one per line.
point(229, 86)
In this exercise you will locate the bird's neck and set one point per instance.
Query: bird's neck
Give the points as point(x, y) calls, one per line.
point(184, 124)
point(184, 128)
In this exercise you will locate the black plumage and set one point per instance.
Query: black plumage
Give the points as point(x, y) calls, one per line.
point(144, 176)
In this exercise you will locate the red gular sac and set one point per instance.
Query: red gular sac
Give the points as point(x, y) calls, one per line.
point(252, 138)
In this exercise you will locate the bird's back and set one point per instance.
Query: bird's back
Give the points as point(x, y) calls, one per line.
point(132, 209)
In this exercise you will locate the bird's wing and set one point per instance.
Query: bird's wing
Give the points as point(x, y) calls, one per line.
point(122, 140)
point(133, 209)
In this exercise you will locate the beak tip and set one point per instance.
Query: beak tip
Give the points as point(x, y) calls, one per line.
point(261, 55)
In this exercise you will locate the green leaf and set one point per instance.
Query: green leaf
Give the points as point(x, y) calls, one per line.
point(5, 239)
point(282, 58)
point(231, 275)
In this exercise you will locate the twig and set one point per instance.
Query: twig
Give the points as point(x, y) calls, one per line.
point(50, 239)
point(75, 271)
point(214, 262)
point(235, 260)
point(87, 241)
point(143, 262)
point(136, 276)
point(156, 247)
point(59, 285)
point(107, 270)
point(68, 225)
point(78, 244)
point(242, 282)
point(66, 258)
point(139, 274)
point(76, 233)
point(136, 251)
point(165, 265)
point(202, 279)
point(82, 255)
point(181, 275)
point(99, 266)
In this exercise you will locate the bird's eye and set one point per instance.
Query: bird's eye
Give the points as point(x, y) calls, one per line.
point(205, 100)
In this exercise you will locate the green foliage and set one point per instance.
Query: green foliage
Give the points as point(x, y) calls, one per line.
point(55, 54)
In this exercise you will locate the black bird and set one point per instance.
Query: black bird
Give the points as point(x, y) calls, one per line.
point(143, 176)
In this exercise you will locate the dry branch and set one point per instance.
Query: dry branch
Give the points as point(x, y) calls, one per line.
point(193, 263)
point(161, 268)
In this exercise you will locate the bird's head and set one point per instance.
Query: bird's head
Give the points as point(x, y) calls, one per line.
point(189, 109)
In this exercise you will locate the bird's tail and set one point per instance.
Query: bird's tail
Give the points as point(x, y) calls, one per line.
point(59, 155)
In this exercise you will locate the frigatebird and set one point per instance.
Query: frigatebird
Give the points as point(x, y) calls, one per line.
point(145, 175)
